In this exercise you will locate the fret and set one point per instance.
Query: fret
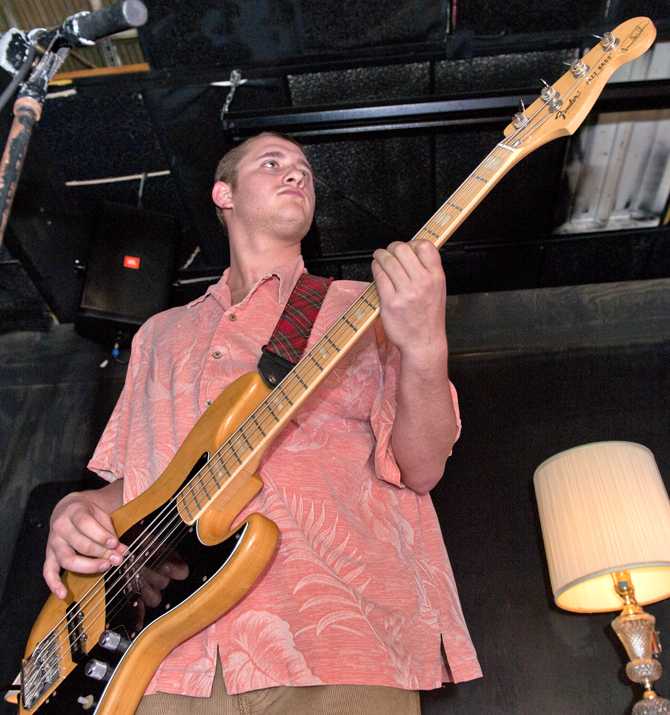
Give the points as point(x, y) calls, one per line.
point(224, 466)
point(234, 451)
point(286, 397)
point(203, 485)
point(258, 424)
point(430, 231)
point(215, 478)
point(269, 409)
point(374, 307)
point(195, 498)
point(185, 505)
point(244, 437)
point(315, 361)
point(349, 323)
point(481, 178)
point(297, 376)
point(326, 337)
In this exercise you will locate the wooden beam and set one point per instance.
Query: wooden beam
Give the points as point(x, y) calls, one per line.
point(67, 77)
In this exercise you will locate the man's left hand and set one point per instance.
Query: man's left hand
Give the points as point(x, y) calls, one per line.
point(412, 290)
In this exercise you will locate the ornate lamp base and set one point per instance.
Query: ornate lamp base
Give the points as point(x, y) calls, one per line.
point(652, 704)
point(636, 630)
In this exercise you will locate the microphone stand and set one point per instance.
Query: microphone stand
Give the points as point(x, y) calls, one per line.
point(78, 30)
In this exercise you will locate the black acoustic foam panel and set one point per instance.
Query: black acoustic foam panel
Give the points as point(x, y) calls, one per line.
point(211, 33)
point(526, 16)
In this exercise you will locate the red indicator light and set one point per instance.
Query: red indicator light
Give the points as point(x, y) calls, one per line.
point(131, 262)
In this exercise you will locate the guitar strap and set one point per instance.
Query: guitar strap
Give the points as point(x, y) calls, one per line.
point(293, 328)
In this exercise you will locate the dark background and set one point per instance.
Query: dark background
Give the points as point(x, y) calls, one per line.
point(378, 178)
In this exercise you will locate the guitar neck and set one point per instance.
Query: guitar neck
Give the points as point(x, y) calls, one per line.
point(443, 223)
point(267, 420)
point(557, 112)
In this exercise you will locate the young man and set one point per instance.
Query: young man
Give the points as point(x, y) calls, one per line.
point(360, 599)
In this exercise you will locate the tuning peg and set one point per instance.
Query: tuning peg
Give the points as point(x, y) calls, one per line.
point(608, 41)
point(551, 97)
point(579, 68)
point(548, 92)
point(521, 119)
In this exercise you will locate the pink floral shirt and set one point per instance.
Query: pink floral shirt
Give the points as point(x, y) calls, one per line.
point(361, 590)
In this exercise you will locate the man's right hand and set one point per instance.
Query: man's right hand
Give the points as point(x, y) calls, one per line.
point(81, 535)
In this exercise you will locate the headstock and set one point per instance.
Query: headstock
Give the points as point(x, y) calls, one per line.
point(562, 107)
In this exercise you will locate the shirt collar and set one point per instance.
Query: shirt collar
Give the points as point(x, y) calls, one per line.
point(287, 275)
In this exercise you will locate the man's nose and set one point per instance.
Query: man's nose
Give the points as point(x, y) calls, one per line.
point(294, 176)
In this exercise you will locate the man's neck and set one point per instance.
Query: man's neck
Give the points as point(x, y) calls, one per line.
point(248, 266)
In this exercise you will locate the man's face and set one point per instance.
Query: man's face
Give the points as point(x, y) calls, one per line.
point(274, 189)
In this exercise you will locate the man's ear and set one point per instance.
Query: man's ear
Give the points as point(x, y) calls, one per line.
point(222, 195)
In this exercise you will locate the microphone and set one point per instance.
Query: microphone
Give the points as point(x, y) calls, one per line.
point(15, 49)
point(84, 28)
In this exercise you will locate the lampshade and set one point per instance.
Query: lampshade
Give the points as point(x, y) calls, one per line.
point(603, 508)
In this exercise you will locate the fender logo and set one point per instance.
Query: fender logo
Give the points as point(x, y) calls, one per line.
point(562, 113)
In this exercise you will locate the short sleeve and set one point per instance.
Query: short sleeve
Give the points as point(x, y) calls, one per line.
point(383, 411)
point(109, 455)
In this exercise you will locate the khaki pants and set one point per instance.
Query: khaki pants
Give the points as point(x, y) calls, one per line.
point(311, 700)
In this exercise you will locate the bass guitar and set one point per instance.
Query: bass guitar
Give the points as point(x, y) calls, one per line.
point(97, 650)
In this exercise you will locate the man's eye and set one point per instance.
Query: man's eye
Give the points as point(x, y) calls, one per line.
point(271, 163)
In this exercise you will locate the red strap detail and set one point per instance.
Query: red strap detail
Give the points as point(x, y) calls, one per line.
point(292, 331)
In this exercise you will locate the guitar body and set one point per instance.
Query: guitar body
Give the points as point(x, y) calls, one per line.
point(222, 566)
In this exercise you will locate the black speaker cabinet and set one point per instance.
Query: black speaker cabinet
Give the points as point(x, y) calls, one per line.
point(128, 272)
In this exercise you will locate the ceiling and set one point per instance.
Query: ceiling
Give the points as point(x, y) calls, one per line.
point(395, 103)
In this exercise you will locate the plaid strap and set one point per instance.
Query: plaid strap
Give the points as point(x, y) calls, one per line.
point(293, 329)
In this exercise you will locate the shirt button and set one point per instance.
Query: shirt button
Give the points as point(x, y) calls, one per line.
point(208, 403)
point(217, 354)
point(232, 316)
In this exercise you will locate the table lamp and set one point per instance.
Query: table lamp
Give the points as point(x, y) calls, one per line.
point(605, 519)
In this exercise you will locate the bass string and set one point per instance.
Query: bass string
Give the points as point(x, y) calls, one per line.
point(140, 544)
point(137, 566)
